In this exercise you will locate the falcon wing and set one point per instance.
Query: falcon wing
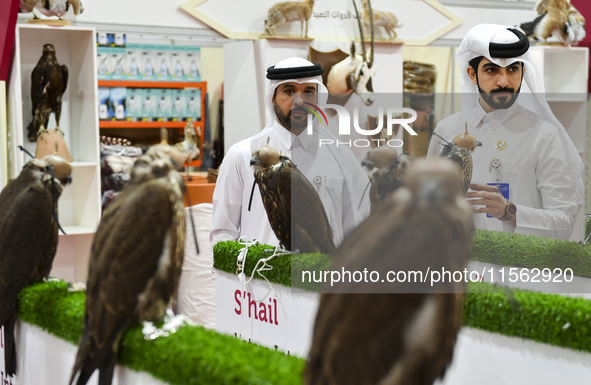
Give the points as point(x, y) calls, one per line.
point(308, 213)
point(25, 232)
point(126, 254)
point(362, 338)
point(132, 236)
point(37, 84)
point(65, 76)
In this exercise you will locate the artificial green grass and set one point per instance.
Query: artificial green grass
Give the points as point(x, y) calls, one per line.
point(548, 318)
point(508, 249)
point(193, 355)
point(505, 249)
point(283, 266)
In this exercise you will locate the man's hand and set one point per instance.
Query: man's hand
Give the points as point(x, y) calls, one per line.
point(491, 198)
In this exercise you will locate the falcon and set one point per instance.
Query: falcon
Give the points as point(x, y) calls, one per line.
point(460, 151)
point(189, 147)
point(300, 214)
point(135, 261)
point(28, 236)
point(387, 171)
point(49, 81)
point(365, 334)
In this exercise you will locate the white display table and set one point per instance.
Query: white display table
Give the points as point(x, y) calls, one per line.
point(44, 359)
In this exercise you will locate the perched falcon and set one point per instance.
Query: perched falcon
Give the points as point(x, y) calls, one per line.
point(49, 81)
point(460, 151)
point(135, 260)
point(387, 171)
point(300, 214)
point(404, 338)
point(189, 147)
point(28, 235)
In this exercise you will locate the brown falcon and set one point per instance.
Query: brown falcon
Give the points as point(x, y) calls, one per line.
point(460, 150)
point(388, 169)
point(28, 236)
point(135, 260)
point(49, 81)
point(300, 215)
point(366, 334)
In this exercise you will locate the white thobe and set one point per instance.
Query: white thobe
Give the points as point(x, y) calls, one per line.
point(232, 218)
point(531, 158)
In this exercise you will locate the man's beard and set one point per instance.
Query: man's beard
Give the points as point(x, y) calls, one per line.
point(287, 121)
point(504, 102)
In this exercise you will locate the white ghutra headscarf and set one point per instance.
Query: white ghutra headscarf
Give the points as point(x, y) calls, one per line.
point(348, 164)
point(477, 42)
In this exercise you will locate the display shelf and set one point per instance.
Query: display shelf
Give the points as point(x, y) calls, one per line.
point(566, 74)
point(74, 230)
point(79, 207)
point(565, 69)
point(126, 124)
point(83, 164)
point(151, 84)
point(578, 98)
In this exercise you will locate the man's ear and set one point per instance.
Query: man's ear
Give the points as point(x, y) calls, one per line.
point(472, 75)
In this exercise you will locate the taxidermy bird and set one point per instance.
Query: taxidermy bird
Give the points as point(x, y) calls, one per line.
point(28, 236)
point(52, 7)
point(49, 81)
point(387, 172)
point(135, 260)
point(301, 213)
point(190, 146)
point(556, 18)
point(460, 150)
point(380, 337)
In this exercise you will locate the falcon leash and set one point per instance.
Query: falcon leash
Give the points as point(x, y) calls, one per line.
point(191, 217)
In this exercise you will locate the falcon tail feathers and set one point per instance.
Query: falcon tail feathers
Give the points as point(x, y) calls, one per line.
point(9, 346)
point(90, 358)
point(107, 369)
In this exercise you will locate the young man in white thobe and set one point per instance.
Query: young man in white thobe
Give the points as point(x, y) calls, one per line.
point(334, 172)
point(526, 153)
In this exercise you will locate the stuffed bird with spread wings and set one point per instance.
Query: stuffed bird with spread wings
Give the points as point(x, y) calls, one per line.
point(135, 261)
point(28, 236)
point(294, 209)
point(397, 333)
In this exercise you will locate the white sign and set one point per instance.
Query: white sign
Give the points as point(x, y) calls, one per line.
point(268, 314)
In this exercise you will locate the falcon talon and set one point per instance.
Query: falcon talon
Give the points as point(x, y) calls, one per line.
point(76, 286)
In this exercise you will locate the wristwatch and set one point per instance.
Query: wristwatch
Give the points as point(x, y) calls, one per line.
point(510, 211)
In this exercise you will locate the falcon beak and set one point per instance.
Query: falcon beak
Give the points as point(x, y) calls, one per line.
point(254, 161)
point(367, 163)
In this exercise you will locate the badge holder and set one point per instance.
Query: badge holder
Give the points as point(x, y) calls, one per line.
point(503, 188)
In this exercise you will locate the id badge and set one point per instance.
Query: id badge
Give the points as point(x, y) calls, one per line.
point(504, 188)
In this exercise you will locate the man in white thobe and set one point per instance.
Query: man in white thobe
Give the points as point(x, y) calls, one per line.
point(527, 174)
point(334, 172)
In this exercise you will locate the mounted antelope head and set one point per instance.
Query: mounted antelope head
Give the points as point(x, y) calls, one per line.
point(355, 73)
